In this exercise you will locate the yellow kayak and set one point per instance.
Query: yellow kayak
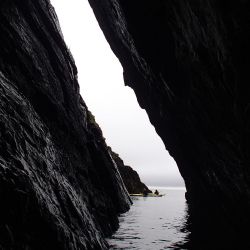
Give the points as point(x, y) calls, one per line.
point(148, 195)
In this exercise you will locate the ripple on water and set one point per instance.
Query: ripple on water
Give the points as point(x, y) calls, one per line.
point(153, 223)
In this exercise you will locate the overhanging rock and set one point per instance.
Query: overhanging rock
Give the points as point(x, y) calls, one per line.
point(188, 63)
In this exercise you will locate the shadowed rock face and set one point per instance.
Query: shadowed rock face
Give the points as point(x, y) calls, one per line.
point(129, 176)
point(188, 62)
point(59, 186)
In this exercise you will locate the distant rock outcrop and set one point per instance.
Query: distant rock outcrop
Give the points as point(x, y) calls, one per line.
point(129, 176)
point(59, 186)
point(188, 62)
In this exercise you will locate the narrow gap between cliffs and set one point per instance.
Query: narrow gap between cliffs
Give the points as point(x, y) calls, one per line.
point(124, 124)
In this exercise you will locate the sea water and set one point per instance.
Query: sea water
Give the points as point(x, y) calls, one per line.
point(153, 223)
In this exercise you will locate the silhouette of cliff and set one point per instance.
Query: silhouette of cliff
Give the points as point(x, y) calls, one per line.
point(129, 176)
point(188, 63)
point(59, 186)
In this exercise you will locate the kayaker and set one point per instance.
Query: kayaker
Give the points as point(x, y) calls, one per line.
point(145, 192)
point(156, 192)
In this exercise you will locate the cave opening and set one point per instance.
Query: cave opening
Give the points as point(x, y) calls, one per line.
point(125, 125)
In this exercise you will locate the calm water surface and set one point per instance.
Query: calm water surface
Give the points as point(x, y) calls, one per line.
point(153, 223)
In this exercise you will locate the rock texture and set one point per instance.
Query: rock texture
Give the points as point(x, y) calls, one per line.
point(59, 186)
point(129, 176)
point(188, 62)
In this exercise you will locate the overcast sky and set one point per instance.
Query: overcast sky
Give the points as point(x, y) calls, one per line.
point(125, 125)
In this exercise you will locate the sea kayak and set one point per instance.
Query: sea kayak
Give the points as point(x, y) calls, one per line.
point(148, 195)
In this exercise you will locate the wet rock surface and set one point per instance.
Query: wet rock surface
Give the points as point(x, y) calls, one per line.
point(188, 62)
point(59, 186)
point(129, 176)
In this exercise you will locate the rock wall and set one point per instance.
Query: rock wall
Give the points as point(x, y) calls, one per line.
point(59, 186)
point(188, 62)
point(129, 176)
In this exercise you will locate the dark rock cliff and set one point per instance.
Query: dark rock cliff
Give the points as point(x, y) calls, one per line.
point(59, 186)
point(188, 62)
point(129, 176)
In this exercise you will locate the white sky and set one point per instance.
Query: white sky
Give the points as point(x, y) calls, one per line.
point(125, 125)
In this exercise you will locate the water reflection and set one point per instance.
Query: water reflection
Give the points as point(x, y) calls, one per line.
point(184, 243)
point(154, 223)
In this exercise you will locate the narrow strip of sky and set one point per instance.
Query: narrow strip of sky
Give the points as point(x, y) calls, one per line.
point(125, 125)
